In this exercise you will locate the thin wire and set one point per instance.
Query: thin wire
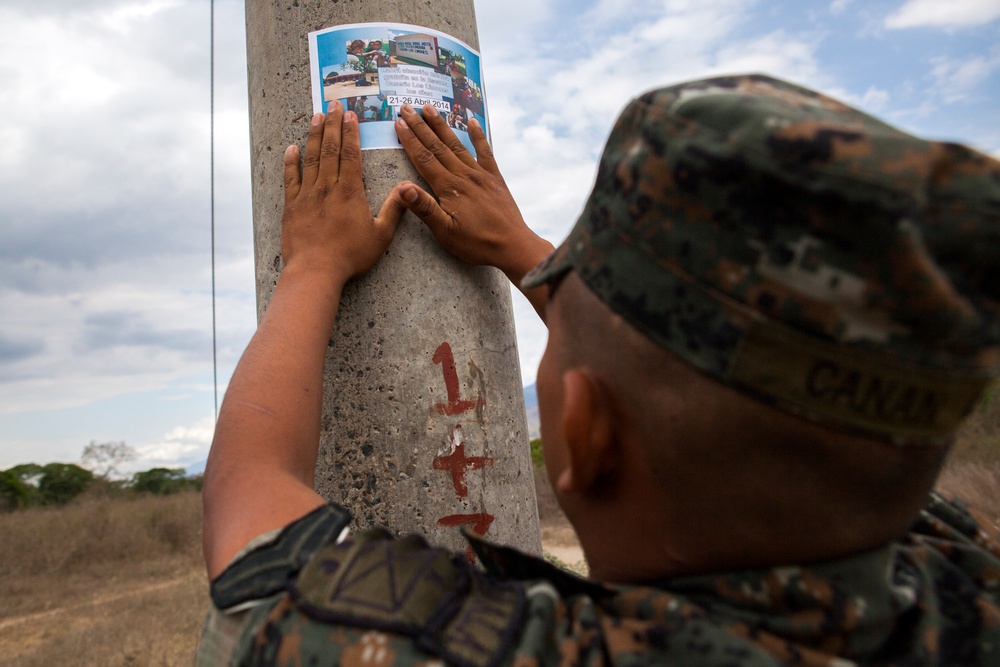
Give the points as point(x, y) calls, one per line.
point(211, 134)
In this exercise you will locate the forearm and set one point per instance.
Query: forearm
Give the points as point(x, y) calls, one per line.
point(259, 474)
point(270, 417)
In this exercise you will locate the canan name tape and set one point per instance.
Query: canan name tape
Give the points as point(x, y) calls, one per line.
point(857, 389)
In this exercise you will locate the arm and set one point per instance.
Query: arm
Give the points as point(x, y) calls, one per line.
point(259, 474)
point(475, 217)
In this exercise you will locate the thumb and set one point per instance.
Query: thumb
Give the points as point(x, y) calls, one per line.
point(424, 207)
point(389, 215)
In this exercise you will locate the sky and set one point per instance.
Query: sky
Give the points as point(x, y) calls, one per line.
point(105, 261)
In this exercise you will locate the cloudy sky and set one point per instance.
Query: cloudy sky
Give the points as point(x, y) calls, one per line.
point(105, 292)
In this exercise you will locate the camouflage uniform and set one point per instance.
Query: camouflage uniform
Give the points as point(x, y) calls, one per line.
point(788, 246)
point(932, 598)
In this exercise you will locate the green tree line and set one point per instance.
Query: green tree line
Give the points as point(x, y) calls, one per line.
point(31, 484)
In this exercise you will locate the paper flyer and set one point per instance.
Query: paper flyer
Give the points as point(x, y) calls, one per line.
point(376, 68)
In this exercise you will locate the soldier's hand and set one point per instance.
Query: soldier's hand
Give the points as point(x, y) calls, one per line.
point(327, 225)
point(474, 217)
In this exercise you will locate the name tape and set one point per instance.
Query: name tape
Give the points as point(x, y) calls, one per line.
point(858, 389)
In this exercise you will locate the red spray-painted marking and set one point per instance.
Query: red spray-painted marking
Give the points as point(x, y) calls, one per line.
point(480, 524)
point(457, 463)
point(455, 404)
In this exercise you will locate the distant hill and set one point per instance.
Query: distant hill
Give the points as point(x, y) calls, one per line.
point(195, 469)
point(531, 405)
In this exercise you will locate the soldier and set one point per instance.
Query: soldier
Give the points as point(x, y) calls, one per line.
point(764, 330)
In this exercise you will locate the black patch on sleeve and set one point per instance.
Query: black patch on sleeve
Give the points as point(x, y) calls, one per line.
point(267, 569)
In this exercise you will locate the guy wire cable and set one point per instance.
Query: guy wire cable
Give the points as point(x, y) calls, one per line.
point(211, 168)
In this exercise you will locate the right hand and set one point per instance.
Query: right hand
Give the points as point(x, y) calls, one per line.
point(475, 217)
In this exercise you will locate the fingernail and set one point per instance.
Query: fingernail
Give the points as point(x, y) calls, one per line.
point(431, 111)
point(348, 117)
point(334, 106)
point(474, 123)
point(401, 125)
point(290, 151)
point(317, 119)
point(410, 194)
point(407, 108)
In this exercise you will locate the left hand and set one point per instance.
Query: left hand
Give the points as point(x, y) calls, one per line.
point(327, 225)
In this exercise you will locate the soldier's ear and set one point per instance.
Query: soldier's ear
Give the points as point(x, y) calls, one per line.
point(589, 434)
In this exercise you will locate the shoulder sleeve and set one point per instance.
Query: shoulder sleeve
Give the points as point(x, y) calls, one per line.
point(966, 537)
point(266, 569)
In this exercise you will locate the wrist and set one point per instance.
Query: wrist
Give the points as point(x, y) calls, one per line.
point(525, 255)
point(319, 274)
point(311, 287)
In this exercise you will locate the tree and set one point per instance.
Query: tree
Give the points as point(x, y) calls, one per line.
point(14, 493)
point(359, 64)
point(105, 458)
point(62, 482)
point(161, 481)
point(29, 475)
point(536, 452)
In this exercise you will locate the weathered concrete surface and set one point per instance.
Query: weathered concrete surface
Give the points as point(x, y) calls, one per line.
point(409, 441)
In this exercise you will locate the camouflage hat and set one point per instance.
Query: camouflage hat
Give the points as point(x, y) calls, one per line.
point(799, 250)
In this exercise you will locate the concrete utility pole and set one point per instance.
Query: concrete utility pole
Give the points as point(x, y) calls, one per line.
point(424, 425)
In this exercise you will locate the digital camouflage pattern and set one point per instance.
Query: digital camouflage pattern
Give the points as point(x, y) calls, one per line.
point(933, 598)
point(800, 250)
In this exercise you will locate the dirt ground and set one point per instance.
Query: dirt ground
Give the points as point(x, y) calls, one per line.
point(559, 542)
point(151, 613)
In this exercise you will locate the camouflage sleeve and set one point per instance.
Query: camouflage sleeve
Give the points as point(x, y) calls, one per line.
point(256, 578)
point(222, 628)
point(965, 536)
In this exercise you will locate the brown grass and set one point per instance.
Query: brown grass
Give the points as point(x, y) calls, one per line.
point(103, 582)
point(973, 468)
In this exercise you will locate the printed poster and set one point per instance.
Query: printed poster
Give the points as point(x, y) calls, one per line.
point(376, 68)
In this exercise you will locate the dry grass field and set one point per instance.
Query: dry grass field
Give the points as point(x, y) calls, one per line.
point(120, 581)
point(103, 582)
point(973, 470)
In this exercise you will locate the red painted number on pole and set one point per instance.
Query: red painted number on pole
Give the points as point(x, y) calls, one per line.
point(455, 404)
point(480, 524)
point(457, 463)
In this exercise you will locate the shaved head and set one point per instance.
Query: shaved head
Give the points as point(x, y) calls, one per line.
point(731, 475)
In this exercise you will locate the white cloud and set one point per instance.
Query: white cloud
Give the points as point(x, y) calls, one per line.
point(105, 190)
point(181, 447)
point(778, 54)
point(509, 20)
point(873, 101)
point(957, 80)
point(943, 14)
point(838, 6)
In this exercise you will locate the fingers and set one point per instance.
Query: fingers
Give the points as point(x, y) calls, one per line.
point(424, 207)
point(310, 161)
point(292, 178)
point(351, 177)
point(329, 154)
point(428, 154)
point(440, 127)
point(484, 152)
